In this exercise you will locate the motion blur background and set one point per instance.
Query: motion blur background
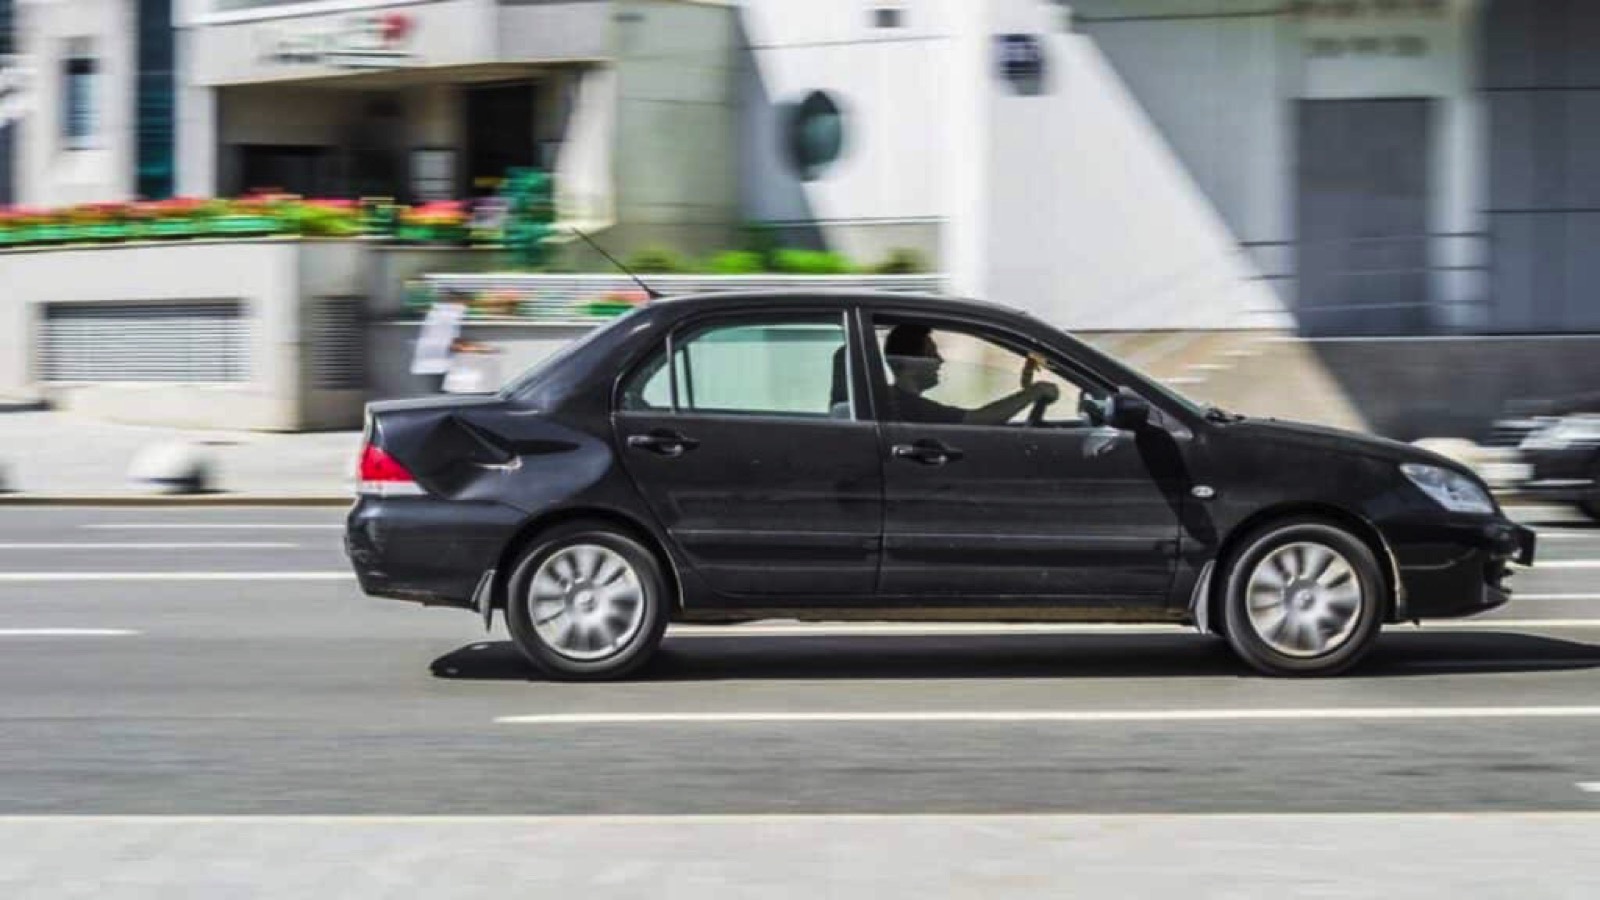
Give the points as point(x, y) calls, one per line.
point(1371, 213)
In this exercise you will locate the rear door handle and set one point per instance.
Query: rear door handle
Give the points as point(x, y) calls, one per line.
point(928, 453)
point(663, 443)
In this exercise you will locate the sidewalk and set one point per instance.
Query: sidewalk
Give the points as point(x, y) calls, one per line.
point(59, 454)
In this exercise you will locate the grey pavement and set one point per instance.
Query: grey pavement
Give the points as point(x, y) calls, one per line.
point(58, 453)
point(274, 689)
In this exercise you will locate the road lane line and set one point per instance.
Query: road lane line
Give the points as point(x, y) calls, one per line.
point(66, 632)
point(36, 577)
point(1540, 565)
point(221, 526)
point(1516, 597)
point(1589, 787)
point(242, 545)
point(1081, 716)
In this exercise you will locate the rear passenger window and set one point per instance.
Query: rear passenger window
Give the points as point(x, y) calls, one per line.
point(789, 367)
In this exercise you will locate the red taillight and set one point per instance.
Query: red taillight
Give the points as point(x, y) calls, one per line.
point(381, 473)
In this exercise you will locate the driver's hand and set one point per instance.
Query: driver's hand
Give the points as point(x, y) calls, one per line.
point(1044, 390)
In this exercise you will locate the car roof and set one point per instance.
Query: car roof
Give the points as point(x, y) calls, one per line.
point(871, 299)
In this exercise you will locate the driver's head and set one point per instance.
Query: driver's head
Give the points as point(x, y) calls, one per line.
point(913, 357)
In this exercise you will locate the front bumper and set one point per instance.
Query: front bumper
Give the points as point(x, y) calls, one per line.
point(1460, 567)
point(425, 549)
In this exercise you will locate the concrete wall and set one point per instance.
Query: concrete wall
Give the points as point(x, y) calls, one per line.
point(1083, 213)
point(1410, 388)
point(1542, 74)
point(887, 189)
point(275, 279)
point(49, 172)
point(675, 161)
point(1221, 80)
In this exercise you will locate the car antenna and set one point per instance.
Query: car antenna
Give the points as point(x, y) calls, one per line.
point(649, 291)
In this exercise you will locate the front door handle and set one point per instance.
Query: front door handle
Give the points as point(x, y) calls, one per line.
point(663, 443)
point(926, 452)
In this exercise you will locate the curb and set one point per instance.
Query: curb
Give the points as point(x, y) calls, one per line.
point(185, 500)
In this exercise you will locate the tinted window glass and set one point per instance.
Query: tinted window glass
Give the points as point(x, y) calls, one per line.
point(787, 368)
point(946, 376)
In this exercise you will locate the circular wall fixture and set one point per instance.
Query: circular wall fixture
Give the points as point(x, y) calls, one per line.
point(813, 134)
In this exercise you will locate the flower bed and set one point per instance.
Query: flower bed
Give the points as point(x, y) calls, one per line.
point(253, 216)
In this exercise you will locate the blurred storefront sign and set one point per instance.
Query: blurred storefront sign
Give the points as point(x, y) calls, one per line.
point(230, 50)
point(379, 40)
point(1381, 48)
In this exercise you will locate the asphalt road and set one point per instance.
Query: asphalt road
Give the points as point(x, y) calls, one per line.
point(221, 662)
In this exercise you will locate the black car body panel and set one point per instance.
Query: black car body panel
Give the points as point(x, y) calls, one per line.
point(814, 518)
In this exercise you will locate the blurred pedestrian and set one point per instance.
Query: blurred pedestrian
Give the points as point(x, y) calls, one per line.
point(436, 340)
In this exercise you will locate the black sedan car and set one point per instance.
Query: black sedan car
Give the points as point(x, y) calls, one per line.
point(1563, 457)
point(734, 457)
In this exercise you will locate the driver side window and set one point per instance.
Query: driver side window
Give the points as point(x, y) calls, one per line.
point(942, 375)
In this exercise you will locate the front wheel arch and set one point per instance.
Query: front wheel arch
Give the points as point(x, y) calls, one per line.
point(1394, 592)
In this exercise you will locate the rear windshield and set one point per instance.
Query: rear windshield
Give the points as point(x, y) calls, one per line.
point(533, 384)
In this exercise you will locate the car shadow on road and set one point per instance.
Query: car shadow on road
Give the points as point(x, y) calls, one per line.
point(833, 657)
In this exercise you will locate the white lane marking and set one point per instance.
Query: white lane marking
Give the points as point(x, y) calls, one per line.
point(1482, 624)
point(66, 632)
point(1589, 787)
point(206, 526)
point(246, 545)
point(1563, 564)
point(1516, 597)
point(655, 820)
point(1546, 534)
point(31, 577)
point(1493, 666)
point(1079, 716)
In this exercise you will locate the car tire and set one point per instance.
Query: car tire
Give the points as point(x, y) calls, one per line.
point(1303, 597)
point(587, 602)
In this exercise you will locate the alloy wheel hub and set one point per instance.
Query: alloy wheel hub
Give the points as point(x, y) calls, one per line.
point(1304, 599)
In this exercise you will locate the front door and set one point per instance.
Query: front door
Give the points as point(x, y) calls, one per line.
point(995, 485)
point(749, 450)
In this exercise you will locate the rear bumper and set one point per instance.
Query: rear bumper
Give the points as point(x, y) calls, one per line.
point(424, 549)
point(1462, 568)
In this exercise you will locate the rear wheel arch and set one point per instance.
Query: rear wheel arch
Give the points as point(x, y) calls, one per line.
point(532, 529)
point(1359, 527)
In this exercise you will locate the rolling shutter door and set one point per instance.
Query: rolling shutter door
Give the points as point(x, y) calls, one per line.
point(163, 342)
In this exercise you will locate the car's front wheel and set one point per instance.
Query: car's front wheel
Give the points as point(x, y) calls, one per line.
point(1303, 597)
point(587, 602)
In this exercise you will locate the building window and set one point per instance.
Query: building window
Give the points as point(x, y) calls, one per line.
point(79, 73)
point(7, 41)
point(154, 167)
point(888, 17)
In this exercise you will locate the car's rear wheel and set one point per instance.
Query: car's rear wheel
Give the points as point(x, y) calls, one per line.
point(1303, 597)
point(587, 602)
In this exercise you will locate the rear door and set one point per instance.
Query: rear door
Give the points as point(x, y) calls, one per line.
point(753, 449)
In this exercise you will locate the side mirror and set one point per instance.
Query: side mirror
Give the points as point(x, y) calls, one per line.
point(1127, 411)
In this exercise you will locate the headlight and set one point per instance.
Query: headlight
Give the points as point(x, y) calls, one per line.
point(1451, 490)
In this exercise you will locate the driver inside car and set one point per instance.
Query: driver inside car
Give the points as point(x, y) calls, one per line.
point(913, 359)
